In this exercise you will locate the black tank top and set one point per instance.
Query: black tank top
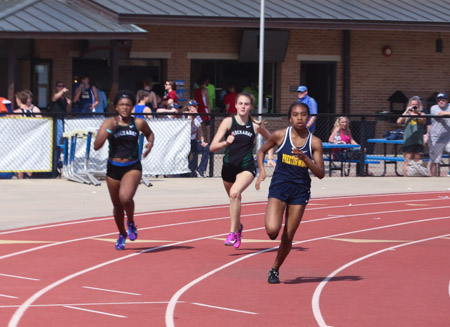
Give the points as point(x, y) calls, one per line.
point(240, 152)
point(124, 142)
point(28, 112)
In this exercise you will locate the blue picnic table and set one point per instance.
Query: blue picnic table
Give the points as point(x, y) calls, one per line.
point(328, 147)
point(387, 159)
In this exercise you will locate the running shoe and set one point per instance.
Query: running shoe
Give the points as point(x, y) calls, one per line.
point(237, 244)
point(120, 244)
point(231, 239)
point(273, 277)
point(132, 231)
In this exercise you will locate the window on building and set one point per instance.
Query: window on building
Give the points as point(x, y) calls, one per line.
point(41, 83)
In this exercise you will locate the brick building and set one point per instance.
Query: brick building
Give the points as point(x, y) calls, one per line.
point(352, 55)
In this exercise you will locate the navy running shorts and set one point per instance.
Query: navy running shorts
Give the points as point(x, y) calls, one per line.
point(117, 172)
point(290, 194)
point(230, 172)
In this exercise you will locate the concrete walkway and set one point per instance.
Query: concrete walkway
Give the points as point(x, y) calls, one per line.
point(33, 202)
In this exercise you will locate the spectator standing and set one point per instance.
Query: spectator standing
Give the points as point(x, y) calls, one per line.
point(61, 104)
point(102, 99)
point(413, 136)
point(201, 95)
point(25, 106)
point(230, 99)
point(86, 96)
point(141, 107)
point(303, 97)
point(253, 90)
point(439, 131)
point(212, 94)
point(198, 144)
point(171, 95)
point(27, 110)
point(152, 101)
point(158, 89)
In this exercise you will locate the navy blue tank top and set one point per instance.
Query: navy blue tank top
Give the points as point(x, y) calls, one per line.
point(289, 168)
point(86, 99)
point(124, 142)
point(240, 152)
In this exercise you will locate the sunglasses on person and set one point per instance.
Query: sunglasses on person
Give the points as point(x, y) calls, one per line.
point(60, 85)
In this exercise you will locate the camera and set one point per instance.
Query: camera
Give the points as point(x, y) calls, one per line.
point(414, 108)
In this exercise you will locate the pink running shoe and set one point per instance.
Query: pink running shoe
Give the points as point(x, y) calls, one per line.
point(237, 244)
point(231, 239)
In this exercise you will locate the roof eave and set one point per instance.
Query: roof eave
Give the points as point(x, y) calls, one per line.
point(73, 36)
point(285, 23)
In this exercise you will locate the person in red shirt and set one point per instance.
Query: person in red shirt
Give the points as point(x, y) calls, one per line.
point(171, 94)
point(230, 99)
point(201, 95)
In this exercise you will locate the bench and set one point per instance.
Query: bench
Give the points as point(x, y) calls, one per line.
point(341, 167)
point(393, 159)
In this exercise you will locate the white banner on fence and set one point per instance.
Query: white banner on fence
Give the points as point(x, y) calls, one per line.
point(169, 154)
point(171, 148)
point(26, 144)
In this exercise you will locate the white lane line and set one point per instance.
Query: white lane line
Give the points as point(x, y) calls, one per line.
point(86, 304)
point(216, 219)
point(95, 311)
point(8, 296)
point(170, 311)
point(222, 308)
point(19, 277)
point(90, 220)
point(227, 206)
point(112, 291)
point(114, 233)
point(316, 296)
point(25, 305)
point(371, 213)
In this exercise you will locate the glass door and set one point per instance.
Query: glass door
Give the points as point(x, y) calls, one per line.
point(41, 83)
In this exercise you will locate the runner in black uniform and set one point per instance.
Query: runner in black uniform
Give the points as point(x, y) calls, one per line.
point(289, 192)
point(238, 170)
point(124, 169)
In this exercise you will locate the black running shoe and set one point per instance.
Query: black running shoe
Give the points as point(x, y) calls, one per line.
point(273, 277)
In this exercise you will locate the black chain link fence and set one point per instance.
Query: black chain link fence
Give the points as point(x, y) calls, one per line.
point(379, 136)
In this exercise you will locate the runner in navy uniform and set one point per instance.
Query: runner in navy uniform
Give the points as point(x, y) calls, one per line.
point(237, 135)
point(124, 170)
point(289, 192)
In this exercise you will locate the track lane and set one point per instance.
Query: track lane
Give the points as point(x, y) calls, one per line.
point(155, 232)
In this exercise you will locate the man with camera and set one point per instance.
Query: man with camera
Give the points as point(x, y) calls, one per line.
point(439, 130)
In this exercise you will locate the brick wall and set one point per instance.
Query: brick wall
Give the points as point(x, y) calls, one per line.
point(414, 67)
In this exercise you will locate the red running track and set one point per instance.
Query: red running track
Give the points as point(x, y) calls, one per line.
point(379, 260)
